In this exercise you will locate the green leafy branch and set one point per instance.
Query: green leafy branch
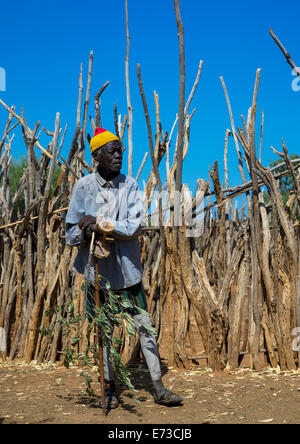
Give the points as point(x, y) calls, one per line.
point(113, 312)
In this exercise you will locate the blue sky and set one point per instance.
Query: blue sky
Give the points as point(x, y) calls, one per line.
point(43, 44)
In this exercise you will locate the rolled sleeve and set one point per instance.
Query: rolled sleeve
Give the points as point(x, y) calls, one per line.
point(74, 236)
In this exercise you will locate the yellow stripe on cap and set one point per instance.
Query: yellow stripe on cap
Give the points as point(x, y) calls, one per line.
point(101, 137)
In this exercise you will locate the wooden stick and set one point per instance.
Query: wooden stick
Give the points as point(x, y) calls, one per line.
point(130, 109)
point(168, 148)
point(241, 170)
point(186, 108)
point(100, 341)
point(6, 131)
point(141, 166)
point(86, 104)
point(97, 104)
point(261, 133)
point(69, 168)
point(78, 117)
point(181, 96)
point(285, 53)
point(83, 162)
point(255, 227)
point(123, 127)
point(32, 218)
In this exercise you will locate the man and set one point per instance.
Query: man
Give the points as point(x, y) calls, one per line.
point(110, 194)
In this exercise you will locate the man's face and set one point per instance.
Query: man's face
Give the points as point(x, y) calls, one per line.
point(110, 156)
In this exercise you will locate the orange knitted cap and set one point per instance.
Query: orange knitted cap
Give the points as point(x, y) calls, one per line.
point(101, 137)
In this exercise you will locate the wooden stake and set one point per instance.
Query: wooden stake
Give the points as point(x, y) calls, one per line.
point(130, 109)
point(285, 53)
point(100, 342)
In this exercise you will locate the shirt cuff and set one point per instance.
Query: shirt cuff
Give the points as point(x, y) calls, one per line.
point(74, 236)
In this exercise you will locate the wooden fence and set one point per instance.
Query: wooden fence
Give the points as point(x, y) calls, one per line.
point(237, 279)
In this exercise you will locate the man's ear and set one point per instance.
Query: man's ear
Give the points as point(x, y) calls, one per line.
point(95, 154)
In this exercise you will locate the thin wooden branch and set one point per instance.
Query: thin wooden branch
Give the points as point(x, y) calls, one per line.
point(12, 224)
point(187, 105)
point(285, 53)
point(6, 130)
point(141, 166)
point(261, 133)
point(83, 162)
point(93, 127)
point(69, 168)
point(168, 147)
point(78, 118)
point(153, 158)
point(86, 104)
point(97, 104)
point(241, 169)
point(124, 127)
point(296, 184)
point(130, 109)
point(181, 95)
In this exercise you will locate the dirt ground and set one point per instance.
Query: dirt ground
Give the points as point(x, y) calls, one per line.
point(51, 394)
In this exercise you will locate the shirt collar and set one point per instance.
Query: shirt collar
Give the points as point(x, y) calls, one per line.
point(110, 183)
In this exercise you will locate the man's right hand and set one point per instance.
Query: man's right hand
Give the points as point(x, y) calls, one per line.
point(88, 225)
point(85, 221)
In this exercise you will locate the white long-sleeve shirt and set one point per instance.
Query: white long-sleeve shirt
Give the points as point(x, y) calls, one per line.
point(120, 200)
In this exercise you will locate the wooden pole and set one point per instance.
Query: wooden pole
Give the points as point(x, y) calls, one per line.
point(181, 95)
point(286, 54)
point(129, 106)
point(100, 342)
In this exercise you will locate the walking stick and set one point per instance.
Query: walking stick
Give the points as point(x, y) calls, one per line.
point(100, 342)
point(106, 226)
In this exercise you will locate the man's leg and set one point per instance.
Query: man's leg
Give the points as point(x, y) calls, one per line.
point(108, 367)
point(148, 345)
point(150, 352)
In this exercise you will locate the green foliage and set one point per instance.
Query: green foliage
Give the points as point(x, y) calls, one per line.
point(15, 173)
point(56, 174)
point(16, 170)
point(112, 313)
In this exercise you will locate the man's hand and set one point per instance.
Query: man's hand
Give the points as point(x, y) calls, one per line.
point(85, 221)
point(88, 225)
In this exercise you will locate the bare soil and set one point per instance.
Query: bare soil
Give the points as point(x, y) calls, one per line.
point(51, 394)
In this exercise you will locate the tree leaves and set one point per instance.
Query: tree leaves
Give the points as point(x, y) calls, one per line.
point(114, 310)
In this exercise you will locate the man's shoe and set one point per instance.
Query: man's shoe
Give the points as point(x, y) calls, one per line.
point(111, 397)
point(168, 398)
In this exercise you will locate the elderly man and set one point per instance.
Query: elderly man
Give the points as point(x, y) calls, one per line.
point(108, 193)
